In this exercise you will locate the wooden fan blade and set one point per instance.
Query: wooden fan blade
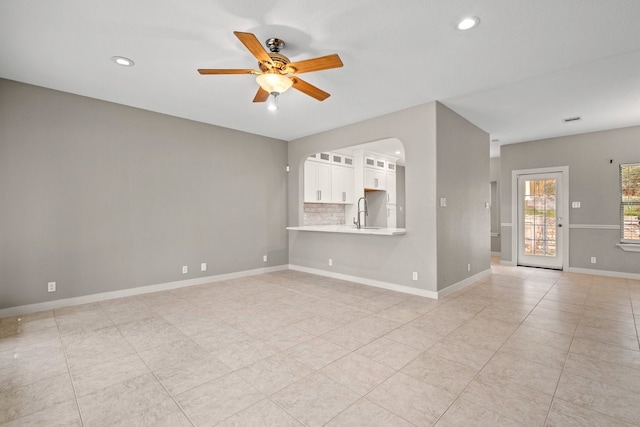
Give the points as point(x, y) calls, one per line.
point(254, 46)
point(309, 89)
point(227, 71)
point(317, 64)
point(261, 96)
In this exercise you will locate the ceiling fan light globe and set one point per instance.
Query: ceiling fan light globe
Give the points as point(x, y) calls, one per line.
point(272, 82)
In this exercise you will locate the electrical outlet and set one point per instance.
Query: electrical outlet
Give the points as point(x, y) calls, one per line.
point(415, 275)
point(575, 205)
point(443, 202)
point(468, 267)
point(593, 260)
point(203, 266)
point(185, 269)
point(264, 258)
point(51, 287)
point(330, 261)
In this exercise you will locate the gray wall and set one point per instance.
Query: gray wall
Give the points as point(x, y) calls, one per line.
point(376, 208)
point(593, 181)
point(400, 197)
point(388, 259)
point(393, 259)
point(102, 197)
point(494, 177)
point(463, 179)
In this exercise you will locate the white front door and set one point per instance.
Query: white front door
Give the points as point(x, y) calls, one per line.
point(540, 220)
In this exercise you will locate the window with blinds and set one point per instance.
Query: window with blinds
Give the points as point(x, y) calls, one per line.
point(630, 203)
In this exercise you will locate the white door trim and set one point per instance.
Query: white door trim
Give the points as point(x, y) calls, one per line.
point(565, 201)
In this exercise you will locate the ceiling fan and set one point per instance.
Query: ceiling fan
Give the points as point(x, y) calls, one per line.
point(276, 73)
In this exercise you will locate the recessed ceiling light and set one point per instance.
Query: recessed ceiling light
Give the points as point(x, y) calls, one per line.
point(397, 152)
point(468, 23)
point(121, 60)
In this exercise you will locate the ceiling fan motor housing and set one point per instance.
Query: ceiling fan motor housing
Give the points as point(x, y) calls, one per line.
point(278, 61)
point(274, 45)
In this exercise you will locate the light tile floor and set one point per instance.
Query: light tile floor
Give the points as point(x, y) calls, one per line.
point(524, 347)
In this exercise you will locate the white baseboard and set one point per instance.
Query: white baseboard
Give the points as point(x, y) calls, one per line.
point(368, 282)
point(393, 286)
point(464, 283)
point(103, 296)
point(606, 273)
point(86, 299)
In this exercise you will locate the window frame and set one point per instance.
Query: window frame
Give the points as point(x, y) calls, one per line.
point(624, 204)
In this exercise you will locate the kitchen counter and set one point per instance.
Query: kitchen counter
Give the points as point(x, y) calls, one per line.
point(350, 229)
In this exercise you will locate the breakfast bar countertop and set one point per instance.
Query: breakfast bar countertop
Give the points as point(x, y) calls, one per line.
point(350, 229)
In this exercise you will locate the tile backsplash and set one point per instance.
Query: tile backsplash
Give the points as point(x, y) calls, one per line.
point(323, 214)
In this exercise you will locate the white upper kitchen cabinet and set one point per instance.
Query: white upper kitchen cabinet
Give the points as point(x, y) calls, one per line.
point(341, 184)
point(374, 179)
point(317, 182)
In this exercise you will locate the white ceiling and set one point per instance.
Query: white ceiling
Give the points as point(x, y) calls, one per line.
point(529, 64)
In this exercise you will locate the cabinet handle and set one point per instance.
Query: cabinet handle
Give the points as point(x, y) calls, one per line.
point(376, 183)
point(344, 196)
point(388, 212)
point(387, 197)
point(319, 194)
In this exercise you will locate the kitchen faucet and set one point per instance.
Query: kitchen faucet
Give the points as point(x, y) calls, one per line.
point(366, 213)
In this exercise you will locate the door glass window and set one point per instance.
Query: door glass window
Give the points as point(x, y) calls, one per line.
point(540, 217)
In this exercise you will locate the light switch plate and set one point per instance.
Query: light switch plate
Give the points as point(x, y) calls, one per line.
point(443, 202)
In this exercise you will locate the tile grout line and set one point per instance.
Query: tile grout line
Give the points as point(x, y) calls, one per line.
point(492, 356)
point(553, 396)
point(582, 314)
point(66, 361)
point(318, 371)
point(147, 366)
point(266, 397)
point(635, 319)
point(342, 357)
point(470, 381)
